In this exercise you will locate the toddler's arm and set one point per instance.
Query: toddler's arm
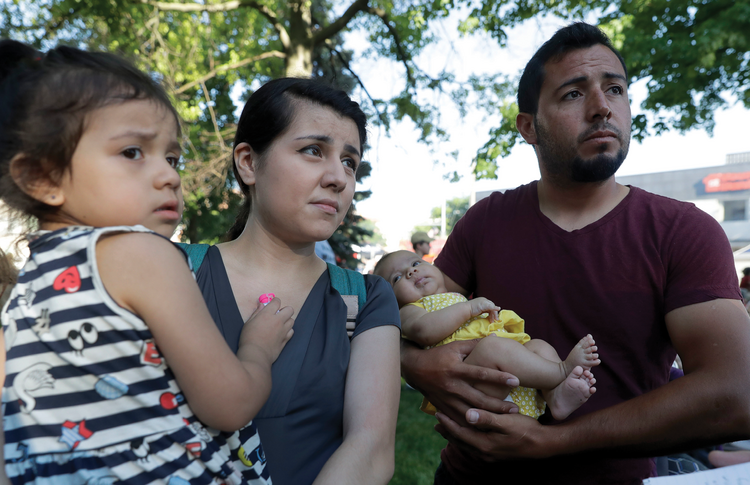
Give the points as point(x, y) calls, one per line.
point(148, 276)
point(261, 342)
point(3, 477)
point(428, 328)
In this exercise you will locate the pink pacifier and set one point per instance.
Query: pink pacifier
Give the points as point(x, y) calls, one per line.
point(266, 298)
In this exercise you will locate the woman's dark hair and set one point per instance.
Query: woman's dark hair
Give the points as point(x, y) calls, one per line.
point(44, 100)
point(579, 35)
point(270, 111)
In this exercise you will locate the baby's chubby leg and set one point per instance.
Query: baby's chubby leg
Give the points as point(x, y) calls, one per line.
point(507, 355)
point(485, 354)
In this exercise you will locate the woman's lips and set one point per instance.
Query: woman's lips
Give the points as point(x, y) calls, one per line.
point(328, 206)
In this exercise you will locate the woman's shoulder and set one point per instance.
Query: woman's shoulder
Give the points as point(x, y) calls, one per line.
point(380, 308)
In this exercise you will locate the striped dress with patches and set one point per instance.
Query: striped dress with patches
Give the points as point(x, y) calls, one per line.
point(87, 396)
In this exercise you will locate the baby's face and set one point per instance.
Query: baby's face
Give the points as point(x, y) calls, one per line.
point(411, 277)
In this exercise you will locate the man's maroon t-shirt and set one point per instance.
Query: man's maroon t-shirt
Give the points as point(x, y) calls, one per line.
point(615, 279)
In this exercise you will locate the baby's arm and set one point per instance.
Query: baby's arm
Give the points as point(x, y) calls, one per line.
point(428, 328)
point(148, 276)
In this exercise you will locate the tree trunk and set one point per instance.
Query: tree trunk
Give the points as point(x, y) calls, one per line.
point(298, 61)
point(299, 52)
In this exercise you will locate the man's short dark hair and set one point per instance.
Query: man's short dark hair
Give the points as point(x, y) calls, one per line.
point(579, 35)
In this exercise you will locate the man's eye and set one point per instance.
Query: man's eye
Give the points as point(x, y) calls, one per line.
point(617, 90)
point(132, 153)
point(573, 95)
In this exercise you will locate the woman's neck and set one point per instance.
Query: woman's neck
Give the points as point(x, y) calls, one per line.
point(258, 263)
point(260, 250)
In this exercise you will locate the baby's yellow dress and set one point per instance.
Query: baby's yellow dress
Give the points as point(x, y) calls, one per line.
point(508, 325)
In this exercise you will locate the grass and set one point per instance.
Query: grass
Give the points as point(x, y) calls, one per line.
point(418, 445)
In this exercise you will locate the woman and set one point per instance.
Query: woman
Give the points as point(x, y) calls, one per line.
point(332, 411)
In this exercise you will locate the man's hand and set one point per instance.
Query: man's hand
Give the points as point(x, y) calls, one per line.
point(493, 437)
point(448, 382)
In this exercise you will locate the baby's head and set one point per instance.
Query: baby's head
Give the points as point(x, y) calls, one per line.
point(80, 133)
point(410, 276)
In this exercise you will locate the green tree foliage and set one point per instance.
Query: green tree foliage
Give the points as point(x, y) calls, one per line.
point(692, 53)
point(205, 49)
point(376, 236)
point(454, 210)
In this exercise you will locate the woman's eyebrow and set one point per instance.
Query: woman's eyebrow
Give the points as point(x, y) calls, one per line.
point(328, 140)
point(351, 149)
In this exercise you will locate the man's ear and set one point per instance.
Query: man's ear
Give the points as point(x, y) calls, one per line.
point(41, 188)
point(525, 126)
point(246, 161)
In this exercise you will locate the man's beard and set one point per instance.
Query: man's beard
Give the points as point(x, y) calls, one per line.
point(564, 164)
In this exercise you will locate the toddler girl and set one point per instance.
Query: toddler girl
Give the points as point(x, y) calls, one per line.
point(431, 316)
point(106, 335)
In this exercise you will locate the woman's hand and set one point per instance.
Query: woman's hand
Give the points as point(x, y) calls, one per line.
point(448, 382)
point(268, 329)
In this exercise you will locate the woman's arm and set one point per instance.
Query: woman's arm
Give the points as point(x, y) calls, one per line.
point(148, 276)
point(428, 328)
point(371, 400)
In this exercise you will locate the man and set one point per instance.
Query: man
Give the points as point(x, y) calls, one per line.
point(577, 253)
point(420, 241)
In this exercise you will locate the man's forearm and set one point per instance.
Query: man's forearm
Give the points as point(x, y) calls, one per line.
point(709, 405)
point(693, 411)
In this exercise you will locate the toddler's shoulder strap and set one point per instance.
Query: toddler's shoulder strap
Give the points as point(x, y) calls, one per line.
point(196, 253)
point(351, 285)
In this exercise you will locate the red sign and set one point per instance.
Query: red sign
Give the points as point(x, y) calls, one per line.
point(727, 182)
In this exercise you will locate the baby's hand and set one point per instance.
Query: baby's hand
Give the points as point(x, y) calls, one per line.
point(481, 305)
point(269, 328)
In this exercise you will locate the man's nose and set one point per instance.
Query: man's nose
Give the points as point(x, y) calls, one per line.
point(598, 106)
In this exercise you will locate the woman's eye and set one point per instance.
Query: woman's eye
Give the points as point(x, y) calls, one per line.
point(350, 163)
point(312, 150)
point(132, 153)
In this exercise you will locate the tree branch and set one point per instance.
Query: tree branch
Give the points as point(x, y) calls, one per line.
point(400, 50)
point(226, 67)
point(225, 7)
point(211, 7)
point(222, 145)
point(339, 24)
point(343, 60)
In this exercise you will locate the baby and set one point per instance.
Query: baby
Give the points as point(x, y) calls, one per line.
point(432, 316)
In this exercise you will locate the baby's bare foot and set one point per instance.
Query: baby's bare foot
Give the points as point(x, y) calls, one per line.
point(583, 354)
point(575, 390)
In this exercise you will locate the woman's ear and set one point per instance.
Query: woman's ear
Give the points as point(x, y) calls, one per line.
point(525, 126)
point(41, 187)
point(246, 161)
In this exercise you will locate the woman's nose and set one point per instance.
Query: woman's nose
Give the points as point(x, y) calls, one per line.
point(335, 176)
